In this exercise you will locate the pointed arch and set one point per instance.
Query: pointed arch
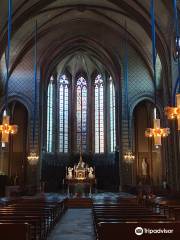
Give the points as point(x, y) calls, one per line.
point(63, 86)
point(99, 113)
point(50, 106)
point(81, 113)
point(112, 115)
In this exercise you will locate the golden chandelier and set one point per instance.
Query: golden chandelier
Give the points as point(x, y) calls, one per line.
point(6, 129)
point(33, 158)
point(128, 156)
point(157, 132)
point(174, 112)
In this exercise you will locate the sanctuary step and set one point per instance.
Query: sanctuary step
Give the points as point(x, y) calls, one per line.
point(79, 203)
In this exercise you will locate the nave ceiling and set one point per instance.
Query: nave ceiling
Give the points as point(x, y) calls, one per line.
point(96, 26)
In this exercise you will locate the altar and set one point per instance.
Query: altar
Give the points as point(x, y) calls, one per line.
point(80, 179)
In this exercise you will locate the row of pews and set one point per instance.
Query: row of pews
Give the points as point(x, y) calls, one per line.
point(29, 219)
point(118, 219)
point(170, 208)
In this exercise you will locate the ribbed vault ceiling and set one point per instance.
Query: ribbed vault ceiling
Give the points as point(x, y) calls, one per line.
point(97, 22)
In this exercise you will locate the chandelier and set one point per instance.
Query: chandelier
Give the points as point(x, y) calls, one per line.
point(157, 132)
point(6, 129)
point(129, 157)
point(174, 112)
point(33, 158)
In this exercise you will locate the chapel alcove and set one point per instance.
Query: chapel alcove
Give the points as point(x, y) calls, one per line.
point(18, 144)
point(148, 165)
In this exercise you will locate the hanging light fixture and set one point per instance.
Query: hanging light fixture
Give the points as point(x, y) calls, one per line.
point(173, 112)
point(129, 157)
point(5, 128)
point(33, 156)
point(156, 132)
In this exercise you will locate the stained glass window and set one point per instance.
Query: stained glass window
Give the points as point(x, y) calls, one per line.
point(99, 115)
point(112, 117)
point(50, 116)
point(63, 113)
point(59, 119)
point(81, 113)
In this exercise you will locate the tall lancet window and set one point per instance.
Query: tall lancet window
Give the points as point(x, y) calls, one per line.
point(63, 113)
point(50, 115)
point(99, 115)
point(112, 116)
point(81, 113)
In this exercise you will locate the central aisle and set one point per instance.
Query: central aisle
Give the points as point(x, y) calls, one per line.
point(76, 224)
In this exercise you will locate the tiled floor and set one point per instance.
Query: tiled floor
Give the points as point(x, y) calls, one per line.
point(76, 224)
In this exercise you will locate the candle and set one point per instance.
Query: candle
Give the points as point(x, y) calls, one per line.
point(155, 113)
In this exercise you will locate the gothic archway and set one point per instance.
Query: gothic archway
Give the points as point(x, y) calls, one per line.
point(149, 166)
point(14, 162)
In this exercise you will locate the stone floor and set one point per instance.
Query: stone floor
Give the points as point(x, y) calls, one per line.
point(76, 224)
point(110, 197)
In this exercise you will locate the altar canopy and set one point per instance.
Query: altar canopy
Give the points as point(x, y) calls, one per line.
point(80, 178)
point(81, 171)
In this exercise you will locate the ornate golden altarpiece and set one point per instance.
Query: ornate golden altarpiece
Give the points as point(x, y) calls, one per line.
point(80, 175)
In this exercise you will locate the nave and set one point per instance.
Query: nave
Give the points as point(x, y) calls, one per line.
point(89, 119)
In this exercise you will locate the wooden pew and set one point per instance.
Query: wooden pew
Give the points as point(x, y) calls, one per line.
point(39, 214)
point(35, 222)
point(122, 230)
point(15, 231)
point(123, 212)
point(163, 205)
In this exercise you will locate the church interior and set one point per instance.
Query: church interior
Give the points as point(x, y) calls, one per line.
point(89, 119)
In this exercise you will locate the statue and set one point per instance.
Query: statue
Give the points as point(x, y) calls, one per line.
point(70, 175)
point(164, 184)
point(16, 180)
point(144, 167)
point(90, 172)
